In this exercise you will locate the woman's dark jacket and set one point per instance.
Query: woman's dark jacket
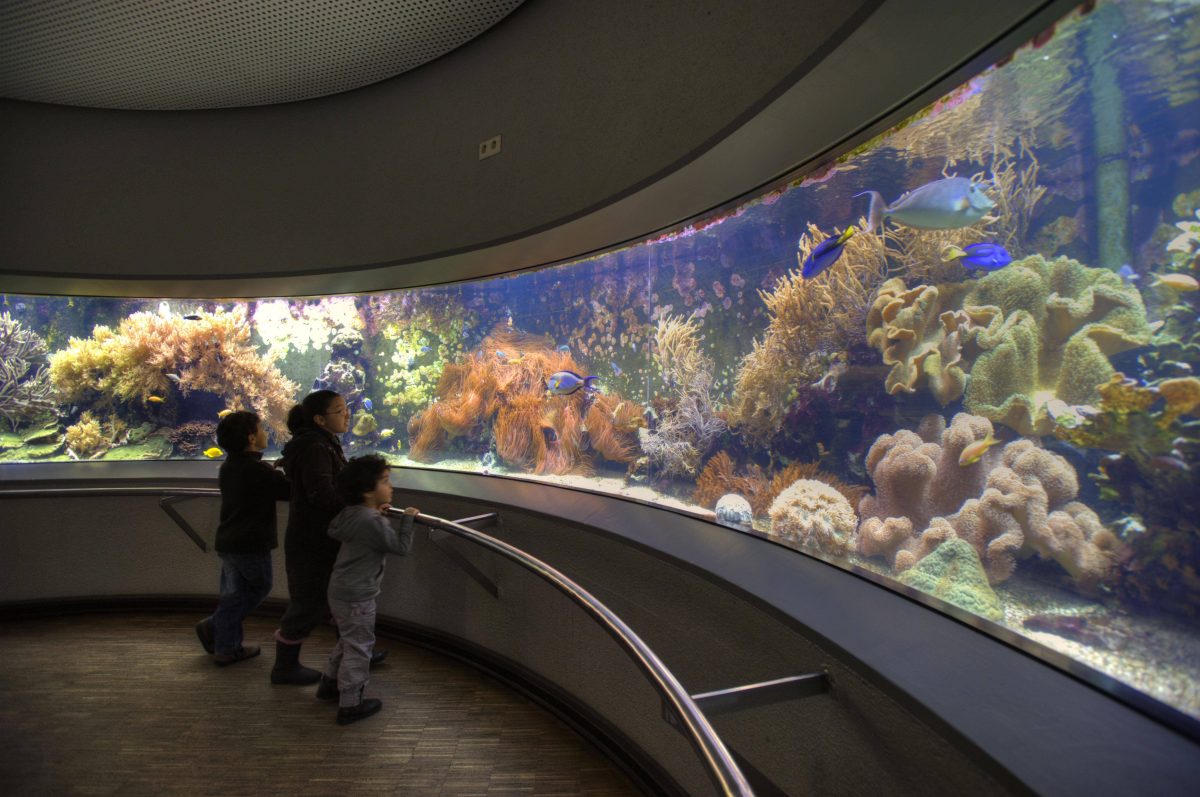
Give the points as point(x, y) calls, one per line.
point(249, 490)
point(312, 460)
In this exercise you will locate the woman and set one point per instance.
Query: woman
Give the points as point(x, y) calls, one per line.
point(312, 460)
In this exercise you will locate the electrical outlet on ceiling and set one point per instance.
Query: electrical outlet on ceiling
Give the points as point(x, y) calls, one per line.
point(489, 148)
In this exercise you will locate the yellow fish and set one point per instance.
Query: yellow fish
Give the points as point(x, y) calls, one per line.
point(386, 433)
point(156, 399)
point(213, 453)
point(1178, 282)
point(224, 412)
point(974, 452)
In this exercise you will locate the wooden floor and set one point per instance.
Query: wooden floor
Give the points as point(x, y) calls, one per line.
point(131, 705)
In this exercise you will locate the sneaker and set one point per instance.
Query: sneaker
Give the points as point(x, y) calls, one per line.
point(366, 708)
point(204, 631)
point(241, 654)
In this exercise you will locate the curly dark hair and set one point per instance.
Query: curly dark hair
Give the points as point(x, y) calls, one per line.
point(234, 428)
point(360, 476)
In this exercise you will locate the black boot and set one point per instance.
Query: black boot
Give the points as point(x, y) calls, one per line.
point(327, 689)
point(364, 709)
point(288, 669)
point(377, 656)
point(204, 630)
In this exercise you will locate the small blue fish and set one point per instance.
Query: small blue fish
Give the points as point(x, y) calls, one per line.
point(424, 350)
point(501, 355)
point(616, 369)
point(368, 405)
point(825, 254)
point(946, 204)
point(1128, 274)
point(565, 349)
point(989, 257)
point(174, 378)
point(564, 383)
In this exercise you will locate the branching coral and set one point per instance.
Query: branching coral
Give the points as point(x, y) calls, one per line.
point(85, 438)
point(806, 317)
point(193, 437)
point(688, 428)
point(26, 391)
point(1013, 502)
point(532, 431)
point(88, 439)
point(151, 354)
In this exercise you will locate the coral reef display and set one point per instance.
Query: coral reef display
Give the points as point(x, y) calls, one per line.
point(688, 425)
point(1013, 502)
point(1011, 342)
point(953, 572)
point(815, 516)
point(498, 397)
point(806, 316)
point(26, 393)
point(151, 358)
point(961, 358)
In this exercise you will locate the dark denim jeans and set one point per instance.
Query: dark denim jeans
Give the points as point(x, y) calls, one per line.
point(245, 583)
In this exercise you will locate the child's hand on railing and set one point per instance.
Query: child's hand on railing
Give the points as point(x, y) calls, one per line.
point(411, 510)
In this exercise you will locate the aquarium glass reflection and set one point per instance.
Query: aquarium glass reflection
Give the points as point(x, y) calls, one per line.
point(962, 358)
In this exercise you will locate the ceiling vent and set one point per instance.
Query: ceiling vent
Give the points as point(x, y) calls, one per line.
point(191, 54)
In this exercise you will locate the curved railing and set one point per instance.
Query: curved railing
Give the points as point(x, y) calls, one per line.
point(685, 714)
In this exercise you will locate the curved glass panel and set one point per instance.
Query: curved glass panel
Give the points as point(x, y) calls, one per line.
point(960, 360)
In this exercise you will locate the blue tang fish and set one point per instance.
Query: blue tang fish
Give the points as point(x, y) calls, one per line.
point(564, 383)
point(945, 204)
point(564, 348)
point(989, 257)
point(616, 368)
point(368, 405)
point(825, 254)
point(1127, 274)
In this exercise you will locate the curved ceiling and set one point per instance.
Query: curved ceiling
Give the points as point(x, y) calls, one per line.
point(188, 55)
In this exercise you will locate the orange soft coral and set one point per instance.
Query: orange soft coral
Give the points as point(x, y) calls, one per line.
point(505, 383)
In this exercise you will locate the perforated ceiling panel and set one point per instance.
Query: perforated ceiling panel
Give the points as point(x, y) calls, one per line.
point(183, 54)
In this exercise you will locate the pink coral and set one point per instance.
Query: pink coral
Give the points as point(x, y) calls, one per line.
point(1013, 503)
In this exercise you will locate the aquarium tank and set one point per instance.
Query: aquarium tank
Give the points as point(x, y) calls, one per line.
point(962, 359)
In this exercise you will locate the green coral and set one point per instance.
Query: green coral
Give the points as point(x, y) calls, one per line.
point(409, 375)
point(954, 573)
point(1037, 332)
point(1057, 324)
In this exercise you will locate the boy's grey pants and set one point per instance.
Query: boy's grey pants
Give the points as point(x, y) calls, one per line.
point(350, 661)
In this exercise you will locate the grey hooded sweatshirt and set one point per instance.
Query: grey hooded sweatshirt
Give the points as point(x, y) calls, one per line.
point(367, 538)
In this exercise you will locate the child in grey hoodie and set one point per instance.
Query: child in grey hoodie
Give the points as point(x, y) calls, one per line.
point(367, 537)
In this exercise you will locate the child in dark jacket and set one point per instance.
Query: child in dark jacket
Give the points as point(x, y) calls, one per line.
point(367, 537)
point(245, 537)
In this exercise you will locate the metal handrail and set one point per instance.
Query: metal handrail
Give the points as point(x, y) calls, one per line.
point(721, 767)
